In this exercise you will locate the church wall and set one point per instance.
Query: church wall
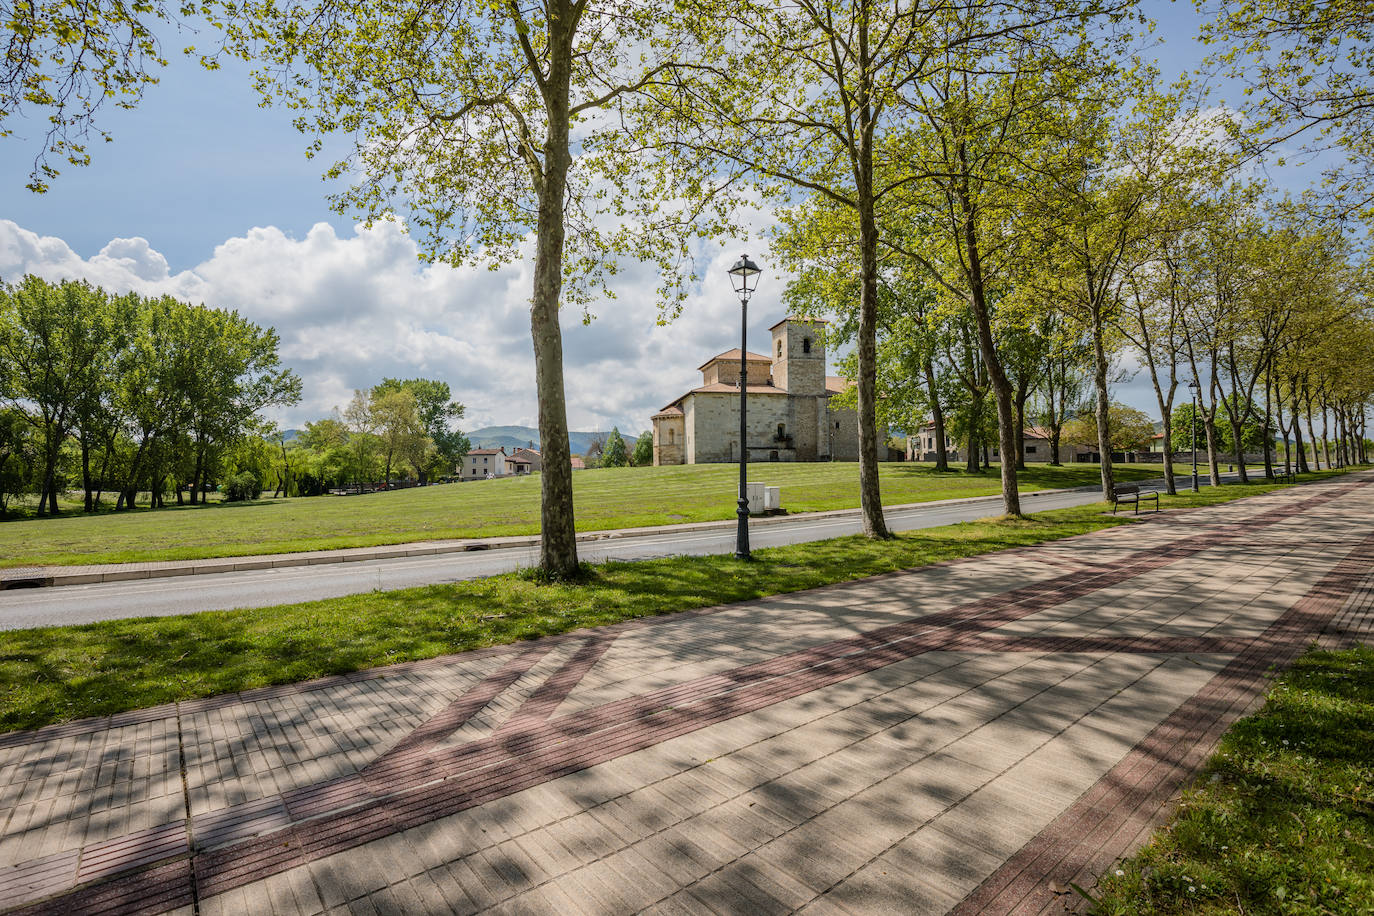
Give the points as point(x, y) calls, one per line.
point(669, 440)
point(844, 434)
point(713, 433)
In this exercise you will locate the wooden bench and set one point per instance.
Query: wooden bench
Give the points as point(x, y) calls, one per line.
point(1129, 492)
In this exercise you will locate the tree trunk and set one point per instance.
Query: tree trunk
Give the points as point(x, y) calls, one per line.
point(870, 495)
point(972, 464)
point(557, 527)
point(1265, 438)
point(1167, 411)
point(1104, 437)
point(938, 416)
point(88, 502)
point(1021, 394)
point(1001, 386)
point(1326, 439)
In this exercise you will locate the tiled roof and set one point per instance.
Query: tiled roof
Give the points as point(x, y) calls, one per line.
point(672, 410)
point(727, 388)
point(487, 451)
point(801, 321)
point(836, 383)
point(730, 355)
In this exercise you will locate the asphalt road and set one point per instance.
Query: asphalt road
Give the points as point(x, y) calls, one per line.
point(75, 604)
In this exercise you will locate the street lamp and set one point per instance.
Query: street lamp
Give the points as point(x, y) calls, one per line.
point(1195, 387)
point(744, 276)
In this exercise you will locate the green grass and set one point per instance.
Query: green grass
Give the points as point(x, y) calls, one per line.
point(605, 498)
point(1281, 821)
point(55, 674)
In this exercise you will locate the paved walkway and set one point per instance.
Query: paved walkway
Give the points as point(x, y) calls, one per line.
point(966, 737)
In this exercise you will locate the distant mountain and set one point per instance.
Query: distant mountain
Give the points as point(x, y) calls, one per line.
point(513, 437)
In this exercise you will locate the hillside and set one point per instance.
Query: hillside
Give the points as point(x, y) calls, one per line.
point(513, 437)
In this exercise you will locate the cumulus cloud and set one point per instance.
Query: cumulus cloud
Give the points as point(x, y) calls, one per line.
point(352, 309)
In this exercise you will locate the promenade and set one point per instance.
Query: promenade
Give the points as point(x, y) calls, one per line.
point(968, 737)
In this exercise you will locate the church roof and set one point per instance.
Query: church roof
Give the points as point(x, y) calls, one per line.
point(836, 383)
point(733, 355)
point(729, 388)
point(672, 410)
point(800, 321)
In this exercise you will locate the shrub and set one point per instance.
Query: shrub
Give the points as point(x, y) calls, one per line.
point(242, 486)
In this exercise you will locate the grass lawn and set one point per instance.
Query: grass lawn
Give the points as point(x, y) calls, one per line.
point(605, 498)
point(1282, 819)
point(54, 674)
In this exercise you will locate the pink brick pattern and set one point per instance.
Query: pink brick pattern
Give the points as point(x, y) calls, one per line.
point(610, 715)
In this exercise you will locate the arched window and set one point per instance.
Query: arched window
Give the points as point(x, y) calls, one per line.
point(782, 430)
point(671, 434)
point(780, 347)
point(806, 344)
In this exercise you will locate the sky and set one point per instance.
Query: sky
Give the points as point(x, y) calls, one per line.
point(207, 196)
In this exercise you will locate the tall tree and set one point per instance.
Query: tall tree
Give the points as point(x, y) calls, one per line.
point(463, 116)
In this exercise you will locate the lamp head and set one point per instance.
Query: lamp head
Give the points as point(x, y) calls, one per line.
point(744, 277)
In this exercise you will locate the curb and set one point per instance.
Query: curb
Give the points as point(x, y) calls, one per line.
point(54, 576)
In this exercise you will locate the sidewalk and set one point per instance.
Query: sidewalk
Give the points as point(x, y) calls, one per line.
point(959, 738)
point(50, 576)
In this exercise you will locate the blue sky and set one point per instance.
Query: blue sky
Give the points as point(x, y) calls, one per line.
point(207, 195)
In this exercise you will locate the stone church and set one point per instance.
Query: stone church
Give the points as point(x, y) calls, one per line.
point(789, 412)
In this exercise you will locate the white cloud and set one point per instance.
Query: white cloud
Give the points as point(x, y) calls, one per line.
point(351, 310)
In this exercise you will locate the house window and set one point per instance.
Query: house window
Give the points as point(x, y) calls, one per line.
point(1030, 450)
point(806, 344)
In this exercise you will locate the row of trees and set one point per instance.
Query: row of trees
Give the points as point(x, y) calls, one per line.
point(122, 394)
point(614, 452)
point(976, 154)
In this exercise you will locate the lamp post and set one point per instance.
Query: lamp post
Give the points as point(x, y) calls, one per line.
point(744, 277)
point(1193, 429)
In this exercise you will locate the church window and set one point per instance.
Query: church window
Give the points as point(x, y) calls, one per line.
point(806, 344)
point(670, 436)
point(780, 348)
point(837, 424)
point(782, 430)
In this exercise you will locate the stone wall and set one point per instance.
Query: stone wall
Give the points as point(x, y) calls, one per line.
point(799, 357)
point(843, 429)
point(713, 426)
point(669, 440)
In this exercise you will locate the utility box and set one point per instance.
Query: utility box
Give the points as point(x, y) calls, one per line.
point(772, 499)
point(754, 492)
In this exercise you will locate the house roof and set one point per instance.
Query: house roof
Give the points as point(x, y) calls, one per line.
point(727, 388)
point(729, 355)
point(800, 321)
point(578, 464)
point(518, 459)
point(488, 451)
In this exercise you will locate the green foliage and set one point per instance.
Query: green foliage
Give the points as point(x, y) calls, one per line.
point(1128, 429)
point(644, 450)
point(1252, 430)
point(1278, 823)
point(242, 486)
point(64, 61)
point(613, 453)
point(129, 393)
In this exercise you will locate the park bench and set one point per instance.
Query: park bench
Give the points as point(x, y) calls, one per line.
point(1129, 492)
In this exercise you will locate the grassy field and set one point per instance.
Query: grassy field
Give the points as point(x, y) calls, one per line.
point(55, 674)
point(1282, 819)
point(605, 498)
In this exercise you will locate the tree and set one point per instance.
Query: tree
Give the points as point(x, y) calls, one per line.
point(63, 61)
point(437, 410)
point(463, 122)
point(644, 450)
point(48, 351)
point(1309, 70)
point(396, 419)
point(1128, 429)
point(613, 454)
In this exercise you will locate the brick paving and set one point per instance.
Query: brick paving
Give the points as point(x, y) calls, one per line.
point(962, 738)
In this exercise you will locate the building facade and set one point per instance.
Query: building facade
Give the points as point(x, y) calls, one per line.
point(789, 413)
point(481, 463)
